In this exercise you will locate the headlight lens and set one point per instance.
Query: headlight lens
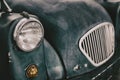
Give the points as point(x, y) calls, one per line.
point(28, 34)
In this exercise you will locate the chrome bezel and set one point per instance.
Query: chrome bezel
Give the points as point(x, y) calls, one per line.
point(20, 25)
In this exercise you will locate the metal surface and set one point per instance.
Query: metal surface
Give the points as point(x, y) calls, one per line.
point(32, 71)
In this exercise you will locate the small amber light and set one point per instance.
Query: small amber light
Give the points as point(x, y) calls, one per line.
point(32, 71)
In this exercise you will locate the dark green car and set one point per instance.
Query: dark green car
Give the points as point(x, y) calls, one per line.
point(59, 39)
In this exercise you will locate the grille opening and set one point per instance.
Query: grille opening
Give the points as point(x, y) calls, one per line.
point(98, 43)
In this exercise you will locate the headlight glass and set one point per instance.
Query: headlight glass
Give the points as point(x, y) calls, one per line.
point(28, 34)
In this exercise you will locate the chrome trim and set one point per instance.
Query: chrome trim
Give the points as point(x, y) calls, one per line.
point(98, 43)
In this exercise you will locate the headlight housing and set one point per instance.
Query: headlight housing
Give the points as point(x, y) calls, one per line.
point(28, 34)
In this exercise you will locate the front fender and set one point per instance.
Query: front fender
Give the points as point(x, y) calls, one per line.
point(19, 62)
point(5, 21)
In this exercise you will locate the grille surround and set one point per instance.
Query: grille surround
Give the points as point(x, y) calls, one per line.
point(102, 49)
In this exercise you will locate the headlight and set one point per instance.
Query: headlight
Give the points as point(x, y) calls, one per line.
point(28, 34)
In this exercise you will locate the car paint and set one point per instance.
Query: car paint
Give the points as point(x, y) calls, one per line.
point(77, 17)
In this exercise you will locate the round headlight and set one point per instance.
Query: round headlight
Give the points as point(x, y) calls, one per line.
point(28, 34)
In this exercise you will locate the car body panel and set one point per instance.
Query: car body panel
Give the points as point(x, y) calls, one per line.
point(65, 22)
point(62, 20)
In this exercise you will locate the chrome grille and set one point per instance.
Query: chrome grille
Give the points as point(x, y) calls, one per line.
point(98, 43)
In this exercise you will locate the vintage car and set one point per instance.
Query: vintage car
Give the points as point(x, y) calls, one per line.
point(59, 39)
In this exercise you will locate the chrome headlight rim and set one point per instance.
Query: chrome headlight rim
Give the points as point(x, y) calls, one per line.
point(19, 27)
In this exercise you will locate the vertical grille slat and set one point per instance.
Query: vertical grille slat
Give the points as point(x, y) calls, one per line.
point(88, 45)
point(99, 46)
point(89, 48)
point(97, 53)
point(111, 45)
point(108, 40)
point(98, 43)
point(95, 47)
point(92, 45)
point(103, 43)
